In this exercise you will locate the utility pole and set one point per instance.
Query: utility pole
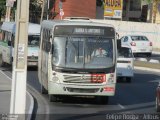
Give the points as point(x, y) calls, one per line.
point(8, 11)
point(9, 4)
point(42, 12)
point(48, 1)
point(19, 74)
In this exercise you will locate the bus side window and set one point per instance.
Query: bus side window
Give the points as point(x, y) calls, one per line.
point(55, 53)
point(12, 40)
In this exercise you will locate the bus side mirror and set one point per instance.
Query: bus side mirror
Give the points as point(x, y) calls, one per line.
point(52, 49)
point(9, 43)
point(49, 47)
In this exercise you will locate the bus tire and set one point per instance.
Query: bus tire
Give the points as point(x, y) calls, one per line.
point(157, 105)
point(1, 61)
point(52, 98)
point(43, 90)
point(148, 54)
point(128, 79)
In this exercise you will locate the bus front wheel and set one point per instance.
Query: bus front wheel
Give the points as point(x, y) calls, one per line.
point(52, 98)
point(157, 105)
point(43, 90)
point(129, 79)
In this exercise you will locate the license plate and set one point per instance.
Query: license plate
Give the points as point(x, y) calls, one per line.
point(32, 63)
point(143, 50)
point(119, 74)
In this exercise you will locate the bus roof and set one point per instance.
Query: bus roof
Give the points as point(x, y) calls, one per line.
point(33, 29)
point(51, 23)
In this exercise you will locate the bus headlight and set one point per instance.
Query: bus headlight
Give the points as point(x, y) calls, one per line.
point(55, 79)
point(111, 78)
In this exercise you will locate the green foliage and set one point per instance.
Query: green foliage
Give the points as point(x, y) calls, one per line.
point(2, 8)
point(149, 1)
point(100, 3)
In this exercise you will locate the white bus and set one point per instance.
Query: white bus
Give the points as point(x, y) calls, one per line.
point(77, 58)
point(7, 39)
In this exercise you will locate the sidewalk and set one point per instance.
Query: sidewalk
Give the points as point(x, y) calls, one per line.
point(156, 52)
point(5, 95)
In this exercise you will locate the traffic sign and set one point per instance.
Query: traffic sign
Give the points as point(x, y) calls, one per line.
point(61, 12)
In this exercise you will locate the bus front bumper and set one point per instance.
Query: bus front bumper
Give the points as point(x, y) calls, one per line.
point(87, 90)
point(32, 63)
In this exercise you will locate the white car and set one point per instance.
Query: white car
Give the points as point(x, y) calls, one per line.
point(125, 68)
point(138, 43)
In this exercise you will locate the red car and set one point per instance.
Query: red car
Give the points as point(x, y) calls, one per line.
point(158, 98)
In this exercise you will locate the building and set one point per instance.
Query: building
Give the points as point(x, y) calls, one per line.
point(152, 11)
point(75, 8)
point(136, 10)
point(131, 10)
point(141, 11)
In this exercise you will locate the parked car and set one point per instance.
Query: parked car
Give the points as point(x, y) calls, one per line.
point(139, 44)
point(158, 98)
point(125, 68)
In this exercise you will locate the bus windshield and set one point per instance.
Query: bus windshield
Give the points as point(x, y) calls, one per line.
point(83, 52)
point(33, 40)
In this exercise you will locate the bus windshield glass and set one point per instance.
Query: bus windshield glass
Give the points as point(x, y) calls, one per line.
point(83, 52)
point(33, 40)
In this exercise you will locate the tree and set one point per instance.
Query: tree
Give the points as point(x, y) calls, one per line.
point(34, 11)
point(45, 9)
point(154, 8)
point(2, 8)
point(100, 3)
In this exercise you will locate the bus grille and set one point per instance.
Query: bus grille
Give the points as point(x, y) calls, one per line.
point(119, 61)
point(32, 58)
point(82, 90)
point(77, 79)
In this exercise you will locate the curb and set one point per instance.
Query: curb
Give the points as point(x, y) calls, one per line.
point(147, 69)
point(155, 52)
point(30, 97)
point(31, 106)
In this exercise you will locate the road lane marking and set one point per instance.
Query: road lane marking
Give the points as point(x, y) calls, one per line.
point(30, 97)
point(5, 75)
point(121, 106)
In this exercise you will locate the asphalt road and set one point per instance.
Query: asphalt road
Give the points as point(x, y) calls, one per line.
point(153, 57)
point(135, 97)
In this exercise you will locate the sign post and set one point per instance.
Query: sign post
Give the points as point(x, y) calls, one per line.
point(18, 92)
point(61, 13)
point(9, 4)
